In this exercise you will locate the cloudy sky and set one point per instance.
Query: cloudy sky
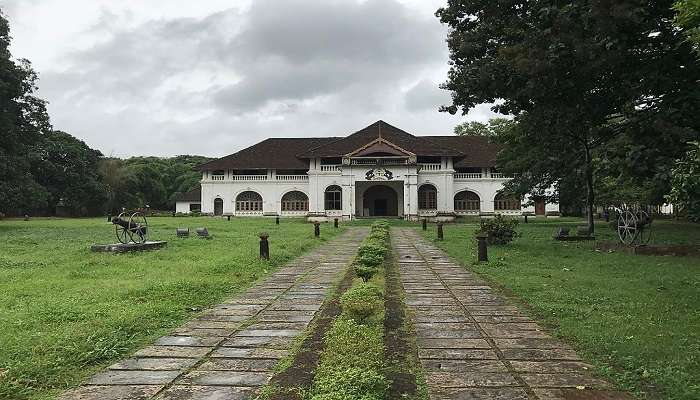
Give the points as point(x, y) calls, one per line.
point(136, 77)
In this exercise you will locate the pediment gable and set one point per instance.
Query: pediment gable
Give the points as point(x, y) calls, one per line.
point(380, 146)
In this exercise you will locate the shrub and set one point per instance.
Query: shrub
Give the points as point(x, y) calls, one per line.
point(362, 301)
point(354, 383)
point(371, 254)
point(365, 272)
point(499, 230)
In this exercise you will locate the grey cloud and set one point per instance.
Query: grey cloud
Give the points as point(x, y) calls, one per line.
point(426, 95)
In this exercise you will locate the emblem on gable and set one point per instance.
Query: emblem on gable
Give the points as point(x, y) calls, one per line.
point(379, 174)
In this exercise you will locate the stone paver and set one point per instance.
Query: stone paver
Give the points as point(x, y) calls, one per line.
point(229, 351)
point(474, 344)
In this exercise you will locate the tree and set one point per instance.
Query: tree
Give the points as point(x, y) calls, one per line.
point(494, 128)
point(576, 76)
point(688, 18)
point(23, 119)
point(685, 192)
point(68, 169)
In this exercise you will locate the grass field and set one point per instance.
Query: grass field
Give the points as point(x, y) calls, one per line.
point(636, 318)
point(66, 312)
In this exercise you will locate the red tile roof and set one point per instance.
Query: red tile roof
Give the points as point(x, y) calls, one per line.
point(194, 195)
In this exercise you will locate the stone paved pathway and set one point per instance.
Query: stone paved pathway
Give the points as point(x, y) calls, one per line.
point(230, 350)
point(473, 344)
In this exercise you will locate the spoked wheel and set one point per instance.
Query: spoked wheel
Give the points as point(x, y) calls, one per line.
point(121, 232)
point(644, 228)
point(138, 228)
point(627, 227)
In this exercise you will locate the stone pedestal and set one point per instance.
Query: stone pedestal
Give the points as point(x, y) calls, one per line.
point(124, 248)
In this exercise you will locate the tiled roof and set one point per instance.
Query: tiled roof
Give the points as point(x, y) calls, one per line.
point(193, 195)
point(293, 153)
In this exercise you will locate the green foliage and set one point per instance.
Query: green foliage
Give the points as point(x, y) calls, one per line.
point(499, 230)
point(362, 301)
point(373, 251)
point(685, 184)
point(495, 128)
point(365, 272)
point(371, 254)
point(351, 364)
point(688, 18)
point(587, 83)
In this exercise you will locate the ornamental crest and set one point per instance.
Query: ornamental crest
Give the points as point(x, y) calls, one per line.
point(379, 174)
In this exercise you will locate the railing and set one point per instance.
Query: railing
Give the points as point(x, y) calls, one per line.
point(249, 177)
point(218, 177)
point(498, 175)
point(331, 168)
point(372, 161)
point(293, 178)
point(467, 175)
point(430, 167)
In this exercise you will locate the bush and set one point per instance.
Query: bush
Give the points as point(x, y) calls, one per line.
point(499, 230)
point(371, 254)
point(354, 383)
point(362, 301)
point(365, 272)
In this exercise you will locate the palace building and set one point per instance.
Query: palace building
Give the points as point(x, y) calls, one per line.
point(378, 171)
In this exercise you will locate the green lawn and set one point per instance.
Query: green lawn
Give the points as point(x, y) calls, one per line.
point(636, 318)
point(66, 312)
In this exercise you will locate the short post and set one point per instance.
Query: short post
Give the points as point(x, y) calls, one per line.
point(109, 218)
point(277, 220)
point(335, 222)
point(526, 218)
point(425, 224)
point(483, 252)
point(439, 231)
point(264, 246)
point(228, 217)
point(317, 229)
point(174, 212)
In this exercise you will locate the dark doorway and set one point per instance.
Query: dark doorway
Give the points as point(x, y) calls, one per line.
point(380, 201)
point(218, 207)
point(539, 207)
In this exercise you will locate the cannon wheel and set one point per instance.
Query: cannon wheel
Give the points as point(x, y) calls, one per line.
point(121, 232)
point(138, 228)
point(644, 222)
point(627, 227)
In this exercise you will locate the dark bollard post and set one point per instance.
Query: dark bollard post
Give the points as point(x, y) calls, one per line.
point(174, 213)
point(483, 253)
point(335, 222)
point(228, 217)
point(109, 218)
point(277, 220)
point(425, 224)
point(526, 218)
point(439, 231)
point(264, 246)
point(317, 229)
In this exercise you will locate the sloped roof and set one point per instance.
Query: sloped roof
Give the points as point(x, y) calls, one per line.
point(293, 153)
point(193, 195)
point(379, 129)
point(477, 151)
point(273, 153)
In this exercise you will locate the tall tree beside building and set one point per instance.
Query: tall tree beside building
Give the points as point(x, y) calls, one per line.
point(576, 76)
point(23, 119)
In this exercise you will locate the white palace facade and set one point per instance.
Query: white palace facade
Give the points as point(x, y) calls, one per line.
point(378, 171)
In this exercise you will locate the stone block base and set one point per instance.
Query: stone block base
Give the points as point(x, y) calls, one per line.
point(124, 248)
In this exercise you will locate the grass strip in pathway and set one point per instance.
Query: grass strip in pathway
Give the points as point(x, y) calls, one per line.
point(231, 349)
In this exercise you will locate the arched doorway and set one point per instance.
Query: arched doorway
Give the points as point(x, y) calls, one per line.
point(380, 201)
point(218, 206)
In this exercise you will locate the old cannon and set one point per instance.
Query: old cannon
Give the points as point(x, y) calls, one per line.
point(131, 228)
point(633, 227)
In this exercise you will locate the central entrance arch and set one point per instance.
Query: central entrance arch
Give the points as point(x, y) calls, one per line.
point(380, 201)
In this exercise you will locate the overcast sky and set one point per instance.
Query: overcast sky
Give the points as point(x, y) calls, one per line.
point(137, 77)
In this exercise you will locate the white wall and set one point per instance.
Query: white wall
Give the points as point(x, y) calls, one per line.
point(184, 206)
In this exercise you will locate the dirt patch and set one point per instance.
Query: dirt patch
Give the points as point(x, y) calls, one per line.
point(396, 344)
point(300, 375)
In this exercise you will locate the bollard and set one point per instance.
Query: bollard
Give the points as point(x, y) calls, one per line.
point(264, 246)
point(526, 218)
point(228, 217)
point(109, 218)
point(483, 253)
point(439, 231)
point(277, 220)
point(174, 213)
point(335, 222)
point(317, 229)
point(425, 224)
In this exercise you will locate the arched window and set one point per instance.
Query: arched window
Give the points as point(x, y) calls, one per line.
point(427, 197)
point(504, 203)
point(334, 198)
point(249, 201)
point(295, 201)
point(467, 201)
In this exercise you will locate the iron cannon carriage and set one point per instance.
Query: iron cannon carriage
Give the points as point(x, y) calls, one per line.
point(633, 226)
point(131, 228)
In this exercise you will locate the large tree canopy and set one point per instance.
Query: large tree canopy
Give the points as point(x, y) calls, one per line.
point(577, 76)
